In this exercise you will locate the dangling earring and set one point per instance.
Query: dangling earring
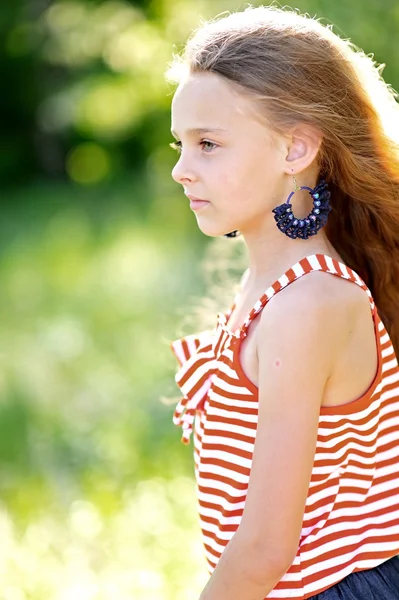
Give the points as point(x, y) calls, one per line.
point(316, 219)
point(235, 233)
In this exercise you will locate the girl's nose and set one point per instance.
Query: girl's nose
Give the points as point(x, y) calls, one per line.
point(181, 173)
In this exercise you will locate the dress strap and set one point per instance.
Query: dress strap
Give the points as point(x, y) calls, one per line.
point(313, 262)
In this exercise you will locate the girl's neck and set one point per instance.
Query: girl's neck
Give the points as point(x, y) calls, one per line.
point(267, 262)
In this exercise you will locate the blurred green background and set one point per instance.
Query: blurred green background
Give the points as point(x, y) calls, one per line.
point(99, 259)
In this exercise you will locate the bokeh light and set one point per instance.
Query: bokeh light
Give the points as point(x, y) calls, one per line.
point(88, 163)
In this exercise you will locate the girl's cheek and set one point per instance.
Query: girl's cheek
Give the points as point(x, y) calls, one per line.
point(225, 180)
point(228, 177)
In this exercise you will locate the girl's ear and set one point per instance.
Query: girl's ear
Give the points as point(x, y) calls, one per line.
point(303, 144)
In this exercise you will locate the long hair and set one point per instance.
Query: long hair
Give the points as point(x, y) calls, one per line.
point(298, 70)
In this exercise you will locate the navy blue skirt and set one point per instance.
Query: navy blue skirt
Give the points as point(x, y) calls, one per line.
point(378, 583)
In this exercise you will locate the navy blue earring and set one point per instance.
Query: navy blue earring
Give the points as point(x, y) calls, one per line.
point(316, 219)
point(308, 226)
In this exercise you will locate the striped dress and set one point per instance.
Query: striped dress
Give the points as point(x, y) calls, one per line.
point(351, 518)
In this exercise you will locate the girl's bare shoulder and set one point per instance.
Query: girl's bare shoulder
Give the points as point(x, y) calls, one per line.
point(326, 309)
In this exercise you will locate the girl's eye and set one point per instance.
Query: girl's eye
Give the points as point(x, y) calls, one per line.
point(178, 146)
point(209, 144)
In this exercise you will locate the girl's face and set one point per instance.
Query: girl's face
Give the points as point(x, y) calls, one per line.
point(227, 156)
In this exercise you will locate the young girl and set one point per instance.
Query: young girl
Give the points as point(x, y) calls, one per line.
point(288, 135)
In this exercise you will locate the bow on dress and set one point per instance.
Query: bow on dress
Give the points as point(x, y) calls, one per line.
point(196, 357)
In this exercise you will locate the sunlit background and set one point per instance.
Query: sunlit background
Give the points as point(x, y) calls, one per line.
point(99, 258)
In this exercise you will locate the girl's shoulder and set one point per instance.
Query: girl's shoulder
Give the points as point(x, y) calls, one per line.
point(325, 326)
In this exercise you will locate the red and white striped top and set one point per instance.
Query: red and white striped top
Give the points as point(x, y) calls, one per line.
point(351, 518)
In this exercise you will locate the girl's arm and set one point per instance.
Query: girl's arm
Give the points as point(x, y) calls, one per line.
point(300, 335)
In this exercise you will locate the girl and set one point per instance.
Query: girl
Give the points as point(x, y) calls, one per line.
point(288, 136)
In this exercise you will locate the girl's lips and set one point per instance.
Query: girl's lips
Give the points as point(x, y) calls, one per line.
point(195, 199)
point(197, 204)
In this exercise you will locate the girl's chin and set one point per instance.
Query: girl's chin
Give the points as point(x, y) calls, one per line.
point(213, 231)
point(210, 227)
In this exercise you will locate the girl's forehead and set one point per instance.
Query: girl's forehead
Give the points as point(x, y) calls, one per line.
point(207, 98)
point(208, 87)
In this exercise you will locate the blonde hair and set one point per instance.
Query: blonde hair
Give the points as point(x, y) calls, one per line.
point(298, 70)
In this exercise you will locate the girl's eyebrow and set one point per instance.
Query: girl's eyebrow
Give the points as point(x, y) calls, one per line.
point(201, 130)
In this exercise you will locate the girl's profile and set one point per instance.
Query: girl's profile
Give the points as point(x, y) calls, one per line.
point(288, 136)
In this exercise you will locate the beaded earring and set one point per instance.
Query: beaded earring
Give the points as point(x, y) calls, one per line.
point(316, 219)
point(308, 226)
